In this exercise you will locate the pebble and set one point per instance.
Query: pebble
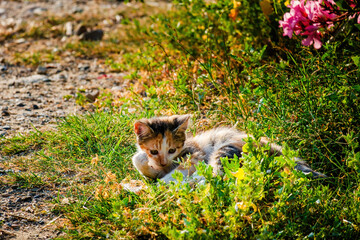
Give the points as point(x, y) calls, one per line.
point(83, 67)
point(35, 106)
point(37, 78)
point(59, 77)
point(117, 88)
point(68, 29)
point(21, 105)
point(5, 113)
point(15, 226)
point(24, 199)
point(77, 10)
point(39, 10)
point(20, 40)
point(92, 95)
point(95, 35)
point(41, 70)
point(80, 30)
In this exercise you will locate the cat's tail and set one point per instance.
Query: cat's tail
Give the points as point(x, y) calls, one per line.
point(300, 164)
point(306, 169)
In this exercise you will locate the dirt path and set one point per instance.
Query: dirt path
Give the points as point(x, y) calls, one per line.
point(36, 97)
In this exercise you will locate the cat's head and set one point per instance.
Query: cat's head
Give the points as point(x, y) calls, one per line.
point(162, 138)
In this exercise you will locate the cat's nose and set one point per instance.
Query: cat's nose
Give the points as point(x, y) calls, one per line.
point(163, 164)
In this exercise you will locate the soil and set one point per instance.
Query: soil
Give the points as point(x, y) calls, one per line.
point(37, 97)
point(26, 213)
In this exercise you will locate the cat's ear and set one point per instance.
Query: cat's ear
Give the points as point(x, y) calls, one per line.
point(141, 128)
point(184, 121)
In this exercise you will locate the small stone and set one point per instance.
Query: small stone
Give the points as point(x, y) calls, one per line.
point(15, 226)
point(24, 199)
point(20, 40)
point(37, 78)
point(6, 127)
point(118, 18)
point(20, 105)
point(117, 88)
point(62, 77)
point(39, 10)
point(80, 30)
point(77, 10)
point(3, 68)
point(68, 29)
point(5, 113)
point(41, 70)
point(93, 95)
point(39, 195)
point(95, 35)
point(83, 67)
point(35, 107)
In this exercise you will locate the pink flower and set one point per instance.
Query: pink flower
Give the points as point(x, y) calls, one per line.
point(306, 19)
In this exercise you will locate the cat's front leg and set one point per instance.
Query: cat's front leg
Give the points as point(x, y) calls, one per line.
point(141, 163)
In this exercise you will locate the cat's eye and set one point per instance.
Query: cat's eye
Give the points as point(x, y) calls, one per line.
point(154, 152)
point(172, 150)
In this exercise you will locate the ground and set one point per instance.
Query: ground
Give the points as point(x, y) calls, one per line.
point(35, 95)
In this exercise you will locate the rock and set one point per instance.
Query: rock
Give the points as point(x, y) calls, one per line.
point(68, 29)
point(24, 199)
point(39, 10)
point(118, 18)
point(92, 95)
point(37, 78)
point(80, 30)
point(5, 113)
point(83, 67)
point(41, 70)
point(95, 35)
point(20, 40)
point(77, 10)
point(117, 88)
point(41, 222)
point(21, 105)
point(15, 226)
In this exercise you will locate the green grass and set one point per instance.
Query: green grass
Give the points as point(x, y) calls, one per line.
point(269, 86)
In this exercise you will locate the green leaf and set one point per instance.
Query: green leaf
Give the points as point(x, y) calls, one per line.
point(356, 59)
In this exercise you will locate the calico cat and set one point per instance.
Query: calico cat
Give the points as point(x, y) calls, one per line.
point(162, 142)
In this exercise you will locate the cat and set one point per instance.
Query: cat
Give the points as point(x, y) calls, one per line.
point(163, 148)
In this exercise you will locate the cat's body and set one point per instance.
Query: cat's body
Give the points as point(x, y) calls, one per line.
point(162, 141)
